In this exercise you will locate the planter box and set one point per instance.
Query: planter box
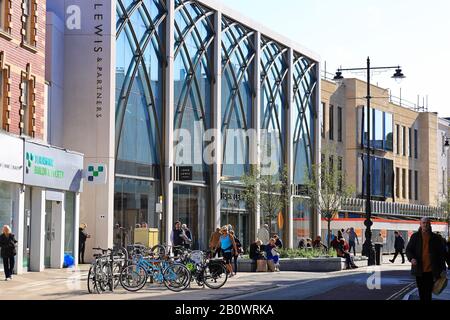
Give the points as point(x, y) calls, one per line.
point(306, 265)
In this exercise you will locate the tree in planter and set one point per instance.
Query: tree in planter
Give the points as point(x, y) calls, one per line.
point(327, 188)
point(445, 206)
point(269, 193)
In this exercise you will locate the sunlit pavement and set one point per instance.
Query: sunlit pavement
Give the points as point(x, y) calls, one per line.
point(70, 284)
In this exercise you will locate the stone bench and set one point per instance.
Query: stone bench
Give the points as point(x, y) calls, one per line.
point(307, 265)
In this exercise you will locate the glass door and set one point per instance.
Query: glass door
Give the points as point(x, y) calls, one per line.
point(49, 234)
point(26, 239)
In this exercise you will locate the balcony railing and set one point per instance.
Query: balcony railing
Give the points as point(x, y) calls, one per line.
point(393, 209)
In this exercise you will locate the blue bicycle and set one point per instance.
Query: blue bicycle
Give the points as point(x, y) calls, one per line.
point(174, 276)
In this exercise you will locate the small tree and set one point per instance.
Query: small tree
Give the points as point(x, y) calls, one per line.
point(445, 206)
point(327, 188)
point(269, 193)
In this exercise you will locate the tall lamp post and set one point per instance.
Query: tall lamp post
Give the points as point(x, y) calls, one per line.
point(368, 249)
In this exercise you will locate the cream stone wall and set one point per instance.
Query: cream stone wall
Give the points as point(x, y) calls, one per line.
point(351, 95)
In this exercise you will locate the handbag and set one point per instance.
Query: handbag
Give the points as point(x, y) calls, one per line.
point(261, 266)
point(440, 284)
point(271, 265)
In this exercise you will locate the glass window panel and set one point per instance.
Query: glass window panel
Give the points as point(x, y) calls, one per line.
point(69, 224)
point(389, 132)
point(378, 129)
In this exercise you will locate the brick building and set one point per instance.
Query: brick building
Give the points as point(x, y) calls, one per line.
point(22, 65)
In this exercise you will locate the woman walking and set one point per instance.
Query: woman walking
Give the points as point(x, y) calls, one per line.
point(8, 251)
point(237, 252)
point(228, 245)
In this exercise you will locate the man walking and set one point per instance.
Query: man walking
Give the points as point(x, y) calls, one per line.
point(427, 256)
point(399, 245)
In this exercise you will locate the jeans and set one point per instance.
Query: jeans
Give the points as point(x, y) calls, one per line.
point(81, 249)
point(352, 244)
point(425, 285)
point(397, 252)
point(378, 253)
point(8, 265)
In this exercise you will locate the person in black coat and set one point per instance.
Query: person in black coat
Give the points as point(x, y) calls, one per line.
point(256, 253)
point(428, 256)
point(399, 245)
point(8, 251)
point(82, 238)
point(177, 238)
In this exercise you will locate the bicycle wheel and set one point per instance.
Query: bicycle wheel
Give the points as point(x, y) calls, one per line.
point(91, 281)
point(117, 269)
point(133, 278)
point(215, 275)
point(176, 277)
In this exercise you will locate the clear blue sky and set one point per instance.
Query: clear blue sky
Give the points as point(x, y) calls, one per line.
point(412, 33)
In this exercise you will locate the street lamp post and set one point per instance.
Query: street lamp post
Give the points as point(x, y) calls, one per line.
point(368, 249)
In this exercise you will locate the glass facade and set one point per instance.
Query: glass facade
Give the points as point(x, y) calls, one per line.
point(274, 80)
point(134, 206)
point(303, 115)
point(238, 59)
point(190, 208)
point(140, 113)
point(139, 85)
point(140, 36)
point(194, 44)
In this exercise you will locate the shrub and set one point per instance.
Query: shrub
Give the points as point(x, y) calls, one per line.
point(306, 253)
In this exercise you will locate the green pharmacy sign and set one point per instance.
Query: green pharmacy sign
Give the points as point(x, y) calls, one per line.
point(42, 166)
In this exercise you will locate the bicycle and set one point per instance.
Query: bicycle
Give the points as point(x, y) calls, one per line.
point(174, 276)
point(203, 269)
point(104, 273)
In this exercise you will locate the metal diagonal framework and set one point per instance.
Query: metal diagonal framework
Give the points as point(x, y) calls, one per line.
point(194, 46)
point(304, 86)
point(274, 78)
point(238, 58)
point(140, 25)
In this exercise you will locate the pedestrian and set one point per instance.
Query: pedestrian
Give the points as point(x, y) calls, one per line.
point(317, 244)
point(339, 245)
point(82, 238)
point(214, 242)
point(379, 242)
point(187, 236)
point(227, 245)
point(237, 252)
point(278, 241)
point(8, 251)
point(272, 256)
point(263, 234)
point(428, 257)
point(399, 245)
point(352, 236)
point(176, 238)
point(256, 253)
point(144, 225)
point(302, 244)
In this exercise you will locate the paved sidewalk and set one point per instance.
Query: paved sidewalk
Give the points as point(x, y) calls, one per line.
point(414, 294)
point(70, 284)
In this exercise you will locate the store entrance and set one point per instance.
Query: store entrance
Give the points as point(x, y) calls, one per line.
point(49, 234)
point(240, 221)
